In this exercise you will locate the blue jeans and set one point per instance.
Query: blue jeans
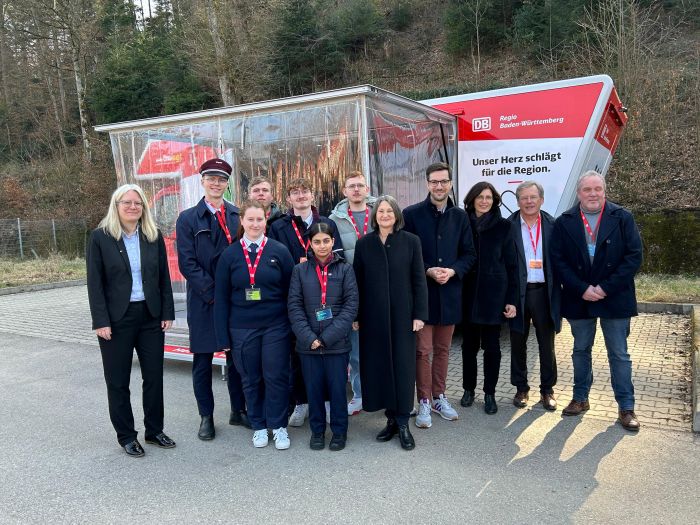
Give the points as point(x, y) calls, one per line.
point(615, 332)
point(355, 363)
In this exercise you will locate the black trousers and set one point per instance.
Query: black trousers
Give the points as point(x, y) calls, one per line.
point(326, 376)
point(201, 383)
point(297, 388)
point(474, 338)
point(136, 330)
point(537, 310)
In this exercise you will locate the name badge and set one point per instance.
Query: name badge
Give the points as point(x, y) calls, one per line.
point(252, 294)
point(591, 250)
point(302, 260)
point(536, 264)
point(323, 314)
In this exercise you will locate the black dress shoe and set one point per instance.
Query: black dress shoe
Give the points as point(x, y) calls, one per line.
point(239, 418)
point(161, 440)
point(338, 442)
point(467, 399)
point(490, 406)
point(206, 429)
point(389, 431)
point(134, 449)
point(406, 438)
point(317, 441)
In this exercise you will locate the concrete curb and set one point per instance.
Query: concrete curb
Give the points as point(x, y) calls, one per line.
point(695, 356)
point(45, 286)
point(665, 308)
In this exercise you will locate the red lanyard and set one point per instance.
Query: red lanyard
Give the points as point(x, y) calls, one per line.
point(301, 240)
point(357, 230)
point(252, 268)
point(536, 241)
point(221, 217)
point(592, 233)
point(323, 279)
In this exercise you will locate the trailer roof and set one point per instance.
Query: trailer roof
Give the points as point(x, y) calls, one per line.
point(254, 107)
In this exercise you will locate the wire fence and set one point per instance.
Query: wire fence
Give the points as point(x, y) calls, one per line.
point(25, 239)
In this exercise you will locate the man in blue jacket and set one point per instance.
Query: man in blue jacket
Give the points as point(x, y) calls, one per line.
point(597, 250)
point(203, 232)
point(448, 254)
point(539, 294)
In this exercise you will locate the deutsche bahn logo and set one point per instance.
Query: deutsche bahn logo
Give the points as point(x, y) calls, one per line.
point(481, 124)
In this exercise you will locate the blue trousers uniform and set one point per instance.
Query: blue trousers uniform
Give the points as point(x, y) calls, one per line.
point(201, 382)
point(261, 356)
point(325, 376)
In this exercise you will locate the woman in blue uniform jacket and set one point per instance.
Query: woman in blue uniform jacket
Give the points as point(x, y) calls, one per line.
point(131, 304)
point(323, 301)
point(250, 312)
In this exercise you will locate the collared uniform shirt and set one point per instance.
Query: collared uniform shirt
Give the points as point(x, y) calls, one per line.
point(534, 275)
point(133, 250)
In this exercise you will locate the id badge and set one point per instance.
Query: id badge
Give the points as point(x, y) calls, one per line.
point(591, 250)
point(536, 264)
point(323, 314)
point(302, 260)
point(252, 294)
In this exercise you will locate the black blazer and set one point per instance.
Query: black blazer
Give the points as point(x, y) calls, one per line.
point(109, 278)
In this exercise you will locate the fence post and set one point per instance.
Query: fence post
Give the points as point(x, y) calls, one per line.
point(53, 231)
point(19, 235)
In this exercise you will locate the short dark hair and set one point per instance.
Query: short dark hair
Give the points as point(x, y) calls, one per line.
point(476, 191)
point(391, 201)
point(438, 166)
point(259, 179)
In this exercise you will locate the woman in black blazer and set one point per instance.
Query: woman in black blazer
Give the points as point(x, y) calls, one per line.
point(131, 303)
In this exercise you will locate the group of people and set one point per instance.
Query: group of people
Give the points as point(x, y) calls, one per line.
point(296, 299)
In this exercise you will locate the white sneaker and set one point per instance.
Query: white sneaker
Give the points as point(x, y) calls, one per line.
point(299, 415)
point(443, 407)
point(260, 438)
point(355, 406)
point(281, 438)
point(328, 412)
point(423, 419)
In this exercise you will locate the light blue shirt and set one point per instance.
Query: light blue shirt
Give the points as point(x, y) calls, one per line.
point(257, 241)
point(534, 275)
point(133, 250)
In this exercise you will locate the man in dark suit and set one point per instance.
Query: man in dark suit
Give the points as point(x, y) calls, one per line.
point(538, 293)
point(448, 255)
point(596, 251)
point(203, 232)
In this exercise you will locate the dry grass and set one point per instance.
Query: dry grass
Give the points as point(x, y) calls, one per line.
point(668, 288)
point(14, 272)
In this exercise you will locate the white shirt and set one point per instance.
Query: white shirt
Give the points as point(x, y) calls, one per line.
point(257, 241)
point(534, 275)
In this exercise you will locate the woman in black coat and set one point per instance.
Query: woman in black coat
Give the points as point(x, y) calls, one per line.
point(489, 292)
point(131, 304)
point(322, 306)
point(393, 306)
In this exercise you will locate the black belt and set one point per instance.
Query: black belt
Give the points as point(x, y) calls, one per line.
point(535, 286)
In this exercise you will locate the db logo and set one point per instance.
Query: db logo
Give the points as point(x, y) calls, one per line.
point(481, 124)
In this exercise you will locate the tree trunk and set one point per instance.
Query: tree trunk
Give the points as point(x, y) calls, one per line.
point(82, 107)
point(59, 74)
point(220, 53)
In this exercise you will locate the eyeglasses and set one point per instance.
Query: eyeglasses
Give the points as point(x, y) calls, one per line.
point(216, 180)
point(297, 193)
point(356, 186)
point(443, 183)
point(131, 204)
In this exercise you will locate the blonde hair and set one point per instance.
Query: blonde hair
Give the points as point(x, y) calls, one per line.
point(113, 226)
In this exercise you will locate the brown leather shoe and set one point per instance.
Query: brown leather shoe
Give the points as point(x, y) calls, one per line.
point(548, 402)
point(628, 420)
point(520, 399)
point(576, 407)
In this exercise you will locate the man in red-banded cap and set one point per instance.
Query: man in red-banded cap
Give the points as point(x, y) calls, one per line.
point(203, 232)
